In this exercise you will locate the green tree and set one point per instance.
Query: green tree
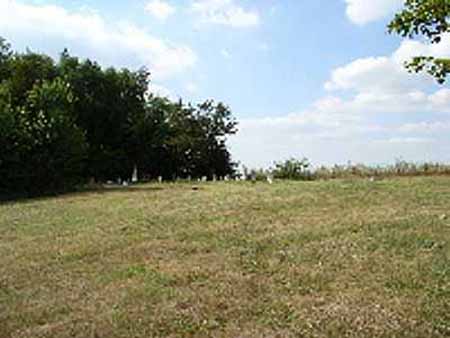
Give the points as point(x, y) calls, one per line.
point(5, 59)
point(25, 71)
point(216, 123)
point(63, 123)
point(150, 132)
point(43, 149)
point(293, 169)
point(428, 19)
point(57, 146)
point(108, 103)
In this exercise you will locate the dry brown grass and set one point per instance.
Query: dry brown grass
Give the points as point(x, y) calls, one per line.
point(316, 259)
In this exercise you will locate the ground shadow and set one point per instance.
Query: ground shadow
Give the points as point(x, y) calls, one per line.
point(98, 189)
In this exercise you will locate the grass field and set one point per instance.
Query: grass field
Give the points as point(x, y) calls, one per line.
point(317, 259)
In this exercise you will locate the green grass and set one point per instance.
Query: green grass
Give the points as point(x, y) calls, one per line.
point(316, 259)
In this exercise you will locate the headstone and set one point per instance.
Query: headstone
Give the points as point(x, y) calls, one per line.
point(134, 178)
point(125, 183)
point(160, 179)
point(204, 179)
point(269, 180)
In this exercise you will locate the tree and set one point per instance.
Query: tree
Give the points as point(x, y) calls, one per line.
point(42, 148)
point(217, 123)
point(26, 70)
point(149, 131)
point(107, 104)
point(5, 58)
point(429, 19)
point(58, 145)
point(293, 169)
point(66, 122)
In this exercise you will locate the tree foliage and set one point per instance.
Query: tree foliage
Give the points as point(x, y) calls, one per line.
point(63, 123)
point(428, 19)
point(293, 169)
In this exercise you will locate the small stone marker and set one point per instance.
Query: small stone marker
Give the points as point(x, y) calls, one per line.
point(134, 178)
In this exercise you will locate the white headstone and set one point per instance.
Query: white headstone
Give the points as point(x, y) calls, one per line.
point(134, 178)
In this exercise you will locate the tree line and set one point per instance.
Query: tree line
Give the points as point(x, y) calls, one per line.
point(65, 122)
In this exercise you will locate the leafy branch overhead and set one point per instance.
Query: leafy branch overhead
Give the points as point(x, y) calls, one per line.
point(430, 20)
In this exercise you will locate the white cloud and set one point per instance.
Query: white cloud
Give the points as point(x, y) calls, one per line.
point(387, 74)
point(161, 91)
point(191, 88)
point(362, 12)
point(377, 112)
point(382, 84)
point(374, 74)
point(119, 44)
point(161, 10)
point(225, 12)
point(426, 128)
point(411, 48)
point(328, 136)
point(441, 100)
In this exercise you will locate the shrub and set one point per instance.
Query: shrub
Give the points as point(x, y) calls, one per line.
point(293, 169)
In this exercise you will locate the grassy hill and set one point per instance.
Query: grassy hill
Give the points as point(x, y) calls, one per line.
point(318, 259)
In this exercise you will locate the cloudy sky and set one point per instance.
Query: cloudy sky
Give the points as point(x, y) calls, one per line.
point(314, 78)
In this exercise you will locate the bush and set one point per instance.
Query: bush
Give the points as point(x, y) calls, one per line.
point(293, 169)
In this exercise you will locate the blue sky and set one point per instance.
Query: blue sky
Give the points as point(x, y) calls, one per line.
point(318, 78)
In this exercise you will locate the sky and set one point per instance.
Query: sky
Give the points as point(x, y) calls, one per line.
point(320, 79)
